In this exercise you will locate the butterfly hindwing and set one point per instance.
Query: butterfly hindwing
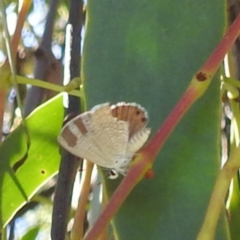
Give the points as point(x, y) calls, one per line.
point(111, 134)
point(137, 140)
point(132, 113)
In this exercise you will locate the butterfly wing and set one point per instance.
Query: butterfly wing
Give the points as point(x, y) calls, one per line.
point(137, 118)
point(96, 136)
point(107, 135)
point(111, 135)
point(74, 137)
point(137, 140)
point(132, 113)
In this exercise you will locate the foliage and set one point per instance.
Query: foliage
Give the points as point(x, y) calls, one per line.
point(133, 52)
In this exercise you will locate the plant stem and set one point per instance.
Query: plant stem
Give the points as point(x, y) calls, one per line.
point(217, 200)
point(77, 229)
point(47, 85)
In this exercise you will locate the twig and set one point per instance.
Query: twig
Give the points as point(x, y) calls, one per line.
point(77, 229)
point(217, 200)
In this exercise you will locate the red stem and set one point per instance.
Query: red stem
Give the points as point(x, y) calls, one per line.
point(213, 62)
point(123, 190)
point(154, 146)
point(137, 171)
point(21, 19)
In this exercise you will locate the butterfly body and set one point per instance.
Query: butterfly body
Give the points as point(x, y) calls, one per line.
point(107, 135)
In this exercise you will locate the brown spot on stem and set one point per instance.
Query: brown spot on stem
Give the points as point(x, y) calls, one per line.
point(149, 174)
point(200, 76)
point(224, 98)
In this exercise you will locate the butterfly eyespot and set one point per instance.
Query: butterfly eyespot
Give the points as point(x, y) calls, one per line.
point(137, 112)
point(113, 174)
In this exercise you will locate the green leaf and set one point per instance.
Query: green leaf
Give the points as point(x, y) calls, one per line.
point(31, 234)
point(32, 166)
point(147, 52)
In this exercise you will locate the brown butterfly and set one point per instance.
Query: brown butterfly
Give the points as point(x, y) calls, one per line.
point(107, 135)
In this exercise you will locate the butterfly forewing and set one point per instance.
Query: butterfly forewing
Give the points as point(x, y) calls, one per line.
point(74, 138)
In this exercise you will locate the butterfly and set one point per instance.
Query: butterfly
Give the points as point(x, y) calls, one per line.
point(107, 135)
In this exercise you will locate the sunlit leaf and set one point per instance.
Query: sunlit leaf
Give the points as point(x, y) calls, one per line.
point(33, 166)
